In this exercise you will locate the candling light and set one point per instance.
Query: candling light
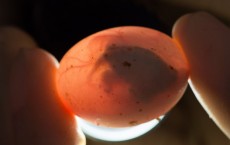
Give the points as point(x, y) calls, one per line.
point(116, 134)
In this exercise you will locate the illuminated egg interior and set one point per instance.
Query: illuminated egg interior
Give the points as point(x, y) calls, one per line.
point(122, 77)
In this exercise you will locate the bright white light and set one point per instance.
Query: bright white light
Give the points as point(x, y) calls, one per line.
point(116, 134)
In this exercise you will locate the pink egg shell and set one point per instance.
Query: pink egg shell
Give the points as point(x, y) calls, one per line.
point(123, 76)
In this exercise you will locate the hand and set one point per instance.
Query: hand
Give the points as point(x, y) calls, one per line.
point(31, 112)
point(205, 41)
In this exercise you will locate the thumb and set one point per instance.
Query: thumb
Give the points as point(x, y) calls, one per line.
point(39, 117)
point(206, 43)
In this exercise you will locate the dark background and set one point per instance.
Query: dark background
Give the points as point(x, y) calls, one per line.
point(57, 25)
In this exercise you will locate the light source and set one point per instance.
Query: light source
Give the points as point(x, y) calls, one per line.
point(116, 134)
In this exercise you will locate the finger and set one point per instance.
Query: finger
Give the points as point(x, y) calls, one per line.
point(206, 43)
point(18, 124)
point(39, 118)
point(11, 40)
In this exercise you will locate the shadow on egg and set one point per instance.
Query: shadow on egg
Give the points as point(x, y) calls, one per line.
point(144, 71)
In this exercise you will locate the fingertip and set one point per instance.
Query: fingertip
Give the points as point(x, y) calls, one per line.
point(37, 109)
point(205, 41)
point(12, 39)
point(29, 65)
point(179, 25)
point(194, 22)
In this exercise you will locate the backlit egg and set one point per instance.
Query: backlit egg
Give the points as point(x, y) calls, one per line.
point(123, 76)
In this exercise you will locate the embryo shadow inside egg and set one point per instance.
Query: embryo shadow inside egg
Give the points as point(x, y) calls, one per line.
point(144, 71)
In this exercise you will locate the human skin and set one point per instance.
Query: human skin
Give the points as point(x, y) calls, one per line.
point(55, 125)
point(31, 112)
point(205, 41)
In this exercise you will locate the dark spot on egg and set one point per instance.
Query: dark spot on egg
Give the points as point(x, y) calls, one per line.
point(126, 64)
point(158, 119)
point(134, 122)
point(106, 55)
point(171, 67)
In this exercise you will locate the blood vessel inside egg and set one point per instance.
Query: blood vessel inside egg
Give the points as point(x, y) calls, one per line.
point(122, 76)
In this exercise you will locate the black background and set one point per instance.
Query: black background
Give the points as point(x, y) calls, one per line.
point(57, 25)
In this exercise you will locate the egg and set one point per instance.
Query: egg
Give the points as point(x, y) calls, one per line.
point(123, 76)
